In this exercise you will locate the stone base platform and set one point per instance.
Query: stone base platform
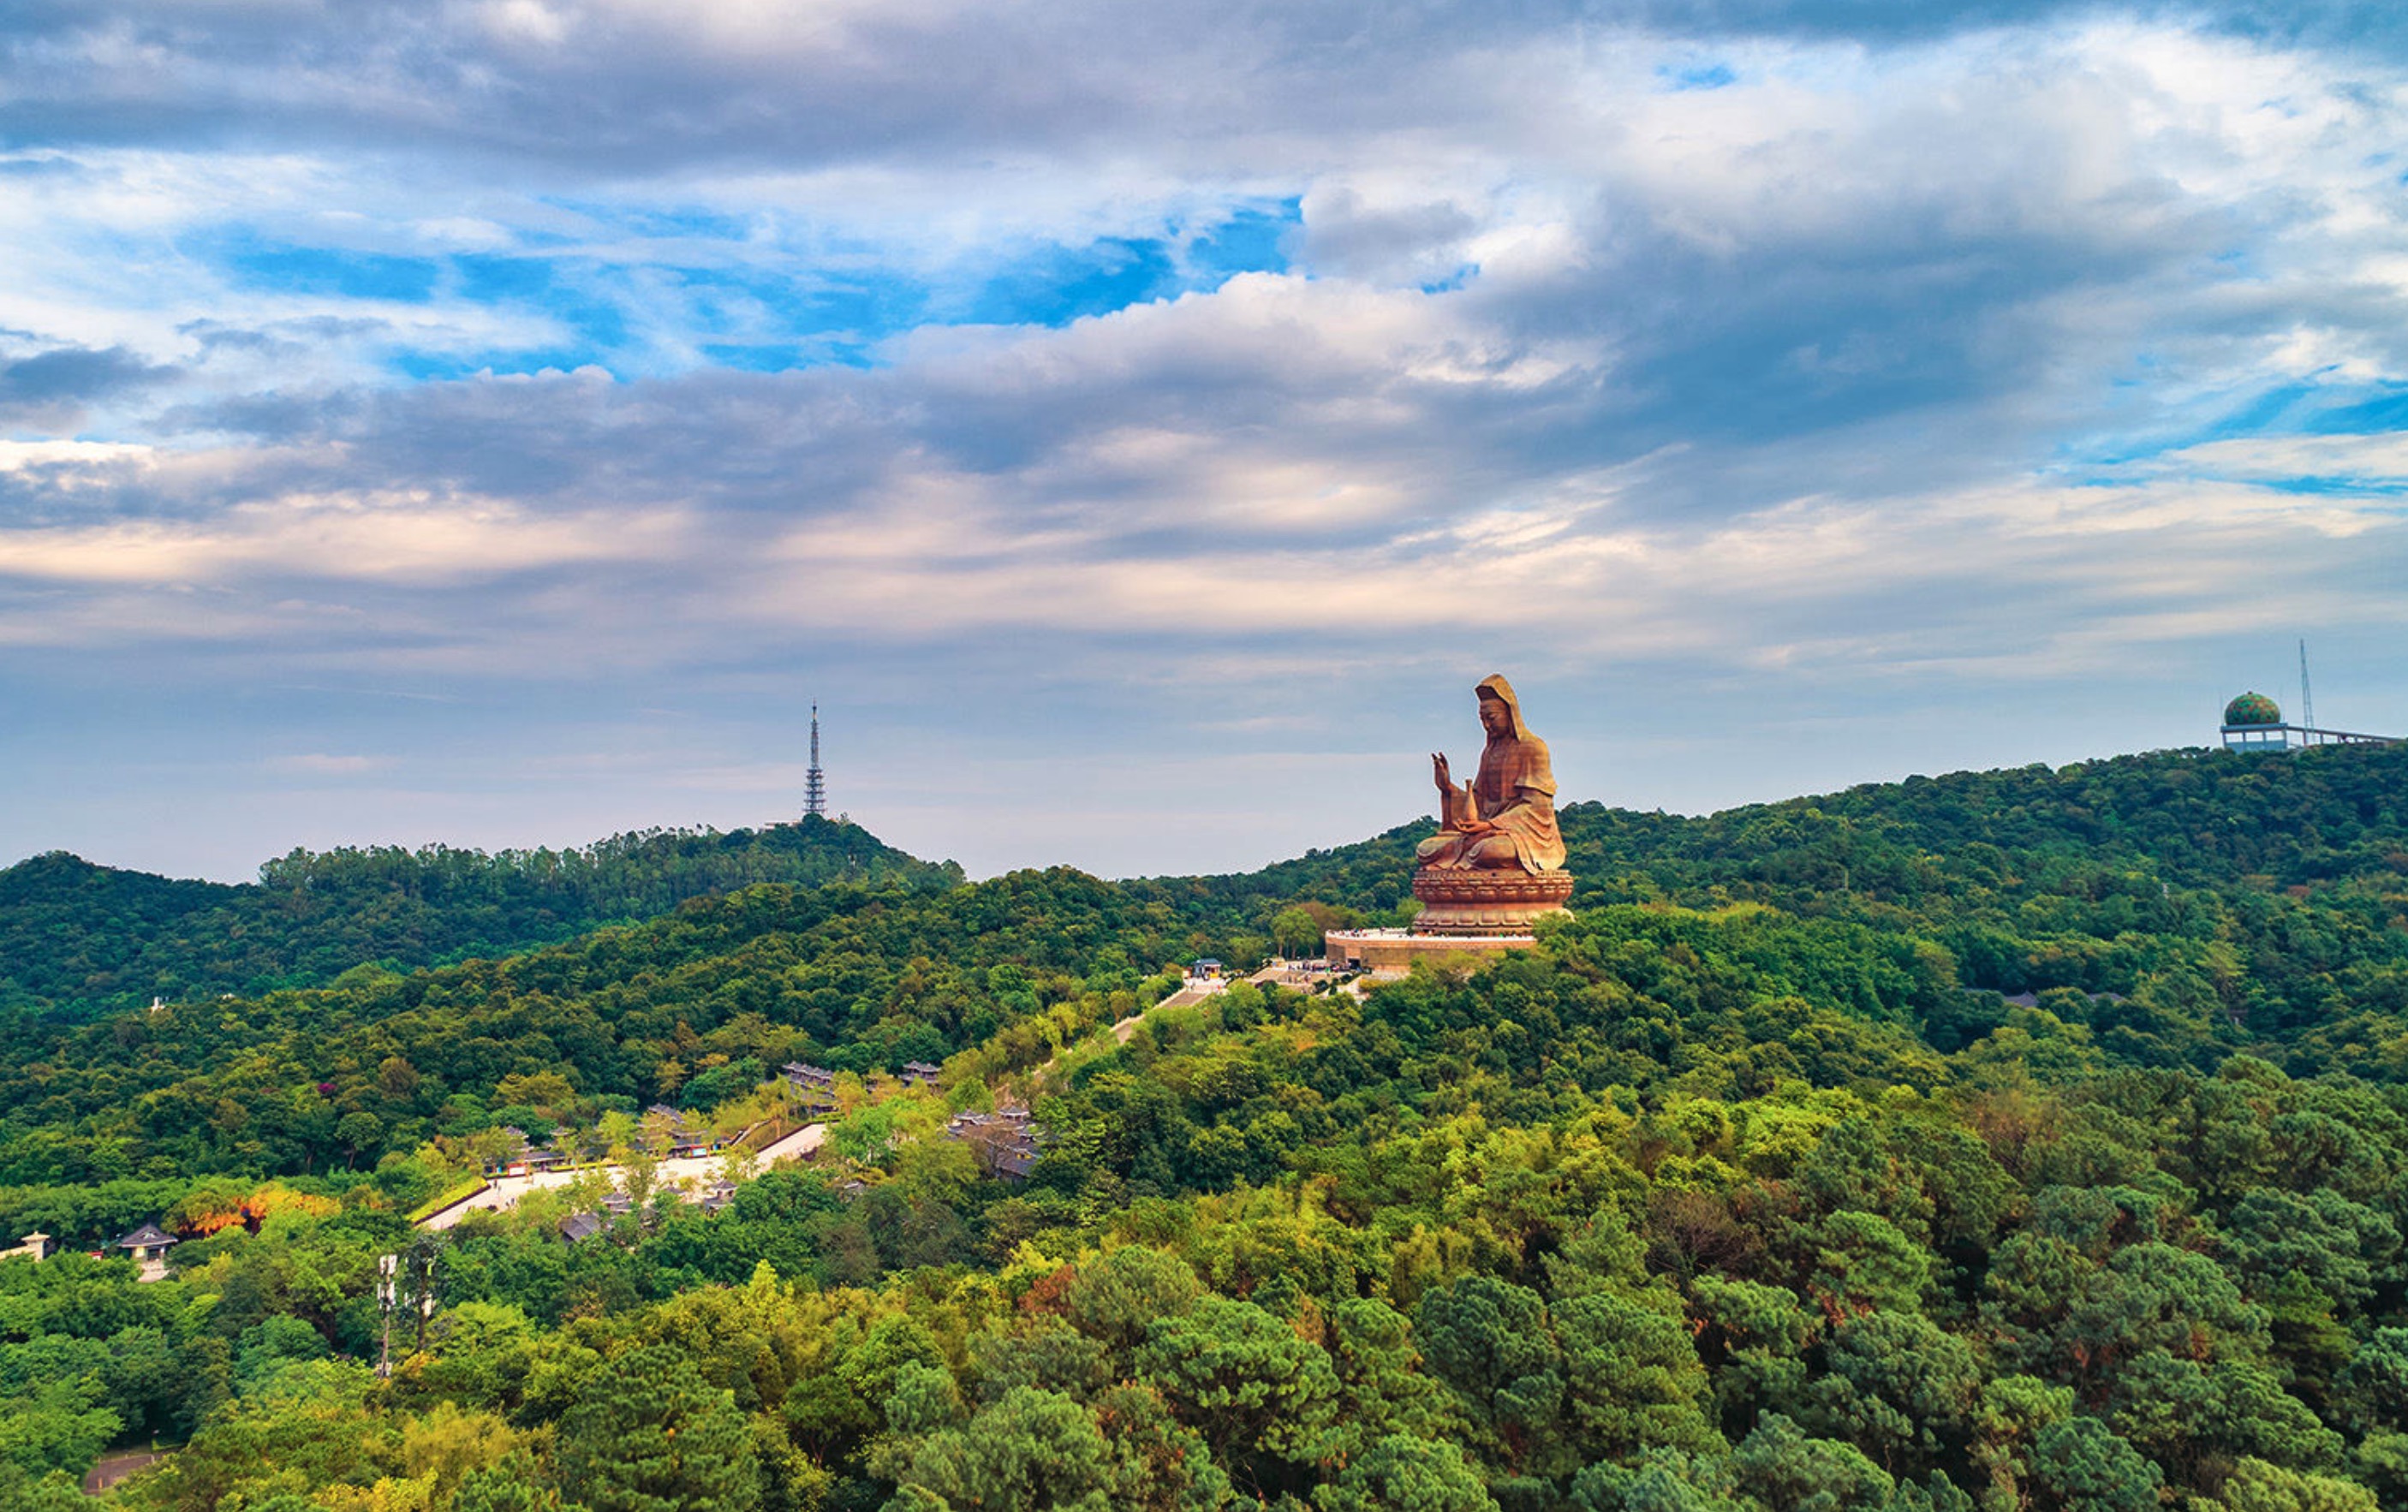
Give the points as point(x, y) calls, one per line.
point(1391, 952)
point(1463, 900)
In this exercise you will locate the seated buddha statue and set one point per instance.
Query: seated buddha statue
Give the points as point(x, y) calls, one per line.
point(1505, 817)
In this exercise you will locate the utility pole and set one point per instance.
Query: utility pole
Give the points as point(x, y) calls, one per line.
point(423, 1273)
point(387, 1295)
point(2307, 697)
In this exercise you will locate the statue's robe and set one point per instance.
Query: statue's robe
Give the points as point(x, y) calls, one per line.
point(1515, 790)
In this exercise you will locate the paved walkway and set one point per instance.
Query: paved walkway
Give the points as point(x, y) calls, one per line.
point(505, 1191)
point(800, 1144)
point(113, 1468)
point(1187, 997)
point(1197, 990)
point(1289, 974)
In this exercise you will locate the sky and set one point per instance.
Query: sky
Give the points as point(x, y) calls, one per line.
point(1139, 425)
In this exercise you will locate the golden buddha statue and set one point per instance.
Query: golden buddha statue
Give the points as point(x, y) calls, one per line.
point(1497, 862)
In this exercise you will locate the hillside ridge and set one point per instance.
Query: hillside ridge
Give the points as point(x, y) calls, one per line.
point(1997, 1141)
point(78, 939)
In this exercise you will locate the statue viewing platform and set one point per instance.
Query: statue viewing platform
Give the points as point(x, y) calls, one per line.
point(1391, 952)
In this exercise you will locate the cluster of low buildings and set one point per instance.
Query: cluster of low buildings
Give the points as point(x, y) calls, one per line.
point(715, 1194)
point(146, 1246)
point(683, 1137)
point(814, 1086)
point(527, 1158)
point(1006, 1141)
point(670, 1130)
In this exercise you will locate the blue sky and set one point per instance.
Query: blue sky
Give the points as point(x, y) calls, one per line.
point(1139, 426)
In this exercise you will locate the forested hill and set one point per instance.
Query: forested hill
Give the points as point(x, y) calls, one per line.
point(77, 940)
point(2020, 1141)
point(2167, 909)
point(2333, 820)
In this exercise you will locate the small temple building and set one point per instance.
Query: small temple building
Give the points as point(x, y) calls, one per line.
point(814, 1085)
point(1006, 1142)
point(146, 1246)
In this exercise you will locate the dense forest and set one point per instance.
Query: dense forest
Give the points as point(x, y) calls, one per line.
point(77, 940)
point(2013, 1140)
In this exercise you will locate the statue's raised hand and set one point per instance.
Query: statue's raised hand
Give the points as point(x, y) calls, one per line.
point(1440, 771)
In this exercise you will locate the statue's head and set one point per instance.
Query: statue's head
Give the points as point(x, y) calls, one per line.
point(1500, 712)
point(1496, 715)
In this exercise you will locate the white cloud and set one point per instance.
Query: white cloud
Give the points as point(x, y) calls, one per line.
point(76, 458)
point(1985, 354)
point(409, 537)
point(319, 763)
point(2376, 461)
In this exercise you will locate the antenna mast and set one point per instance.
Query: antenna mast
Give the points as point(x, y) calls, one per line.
point(814, 785)
point(2307, 698)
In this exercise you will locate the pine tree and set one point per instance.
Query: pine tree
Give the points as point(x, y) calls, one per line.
point(649, 1435)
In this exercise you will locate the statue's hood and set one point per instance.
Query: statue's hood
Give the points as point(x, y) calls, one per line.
point(1496, 684)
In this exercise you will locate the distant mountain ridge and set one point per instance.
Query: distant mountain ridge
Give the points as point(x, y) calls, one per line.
point(2169, 909)
point(78, 939)
point(2195, 817)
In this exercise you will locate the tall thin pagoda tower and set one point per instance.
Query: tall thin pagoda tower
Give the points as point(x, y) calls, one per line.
point(814, 784)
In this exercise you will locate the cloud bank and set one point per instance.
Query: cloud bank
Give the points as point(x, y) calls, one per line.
point(1140, 424)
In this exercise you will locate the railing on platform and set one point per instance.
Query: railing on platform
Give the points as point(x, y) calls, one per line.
point(2274, 737)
